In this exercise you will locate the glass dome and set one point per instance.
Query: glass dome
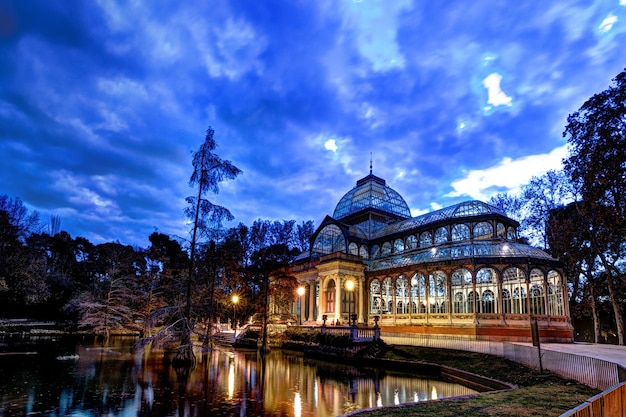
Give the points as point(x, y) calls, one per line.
point(372, 192)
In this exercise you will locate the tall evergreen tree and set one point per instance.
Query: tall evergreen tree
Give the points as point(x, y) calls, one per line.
point(209, 170)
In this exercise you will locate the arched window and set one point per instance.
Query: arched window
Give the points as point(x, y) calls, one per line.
point(375, 306)
point(483, 230)
point(459, 303)
point(329, 240)
point(506, 301)
point(519, 300)
point(486, 287)
point(418, 289)
point(461, 281)
point(400, 308)
point(330, 296)
point(437, 292)
point(514, 283)
point(387, 296)
point(426, 239)
point(441, 235)
point(471, 301)
point(537, 294)
point(510, 233)
point(487, 302)
point(501, 231)
point(555, 294)
point(375, 251)
point(402, 294)
point(411, 242)
point(537, 300)
point(460, 232)
point(398, 246)
point(363, 252)
point(386, 248)
point(353, 248)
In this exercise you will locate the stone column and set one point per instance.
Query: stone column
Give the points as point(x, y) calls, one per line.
point(322, 304)
point(311, 298)
point(338, 291)
point(361, 302)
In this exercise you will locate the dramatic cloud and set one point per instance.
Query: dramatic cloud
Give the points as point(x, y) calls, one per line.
point(102, 103)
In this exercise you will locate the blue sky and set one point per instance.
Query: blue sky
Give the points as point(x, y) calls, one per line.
point(103, 102)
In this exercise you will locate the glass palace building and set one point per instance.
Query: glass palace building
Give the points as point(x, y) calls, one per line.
point(458, 271)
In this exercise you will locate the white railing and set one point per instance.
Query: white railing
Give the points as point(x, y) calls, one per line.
point(590, 371)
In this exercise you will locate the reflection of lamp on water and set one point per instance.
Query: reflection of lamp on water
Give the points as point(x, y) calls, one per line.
point(235, 300)
point(300, 292)
point(350, 288)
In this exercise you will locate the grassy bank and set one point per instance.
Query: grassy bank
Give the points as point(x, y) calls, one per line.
point(538, 395)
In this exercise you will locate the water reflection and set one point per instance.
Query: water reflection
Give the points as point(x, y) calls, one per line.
point(85, 379)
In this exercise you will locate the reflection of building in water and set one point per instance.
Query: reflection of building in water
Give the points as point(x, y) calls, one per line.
point(290, 385)
point(460, 270)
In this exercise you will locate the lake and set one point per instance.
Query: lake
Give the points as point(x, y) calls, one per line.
point(48, 376)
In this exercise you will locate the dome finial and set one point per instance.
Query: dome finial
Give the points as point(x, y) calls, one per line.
point(370, 163)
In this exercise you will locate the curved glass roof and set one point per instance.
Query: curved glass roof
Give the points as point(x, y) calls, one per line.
point(465, 209)
point(372, 192)
point(483, 249)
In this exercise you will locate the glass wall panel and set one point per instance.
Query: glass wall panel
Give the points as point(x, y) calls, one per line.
point(441, 235)
point(514, 284)
point(555, 294)
point(437, 292)
point(329, 240)
point(387, 296)
point(501, 231)
point(418, 293)
point(411, 242)
point(402, 295)
point(386, 250)
point(398, 246)
point(353, 248)
point(461, 286)
point(486, 287)
point(537, 294)
point(460, 232)
point(510, 233)
point(483, 230)
point(375, 297)
point(426, 239)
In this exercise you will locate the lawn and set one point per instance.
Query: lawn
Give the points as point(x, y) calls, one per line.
point(538, 394)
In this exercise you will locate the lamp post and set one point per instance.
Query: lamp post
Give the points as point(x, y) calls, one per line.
point(235, 300)
point(300, 294)
point(350, 288)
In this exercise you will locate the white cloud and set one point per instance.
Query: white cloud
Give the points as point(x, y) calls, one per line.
point(496, 97)
point(331, 145)
point(608, 22)
point(508, 175)
point(375, 25)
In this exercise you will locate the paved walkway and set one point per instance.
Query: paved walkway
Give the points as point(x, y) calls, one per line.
point(609, 353)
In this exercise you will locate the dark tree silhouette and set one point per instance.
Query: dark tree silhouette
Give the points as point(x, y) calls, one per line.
point(597, 168)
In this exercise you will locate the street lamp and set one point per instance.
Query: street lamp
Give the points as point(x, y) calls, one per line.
point(300, 292)
point(235, 300)
point(349, 287)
